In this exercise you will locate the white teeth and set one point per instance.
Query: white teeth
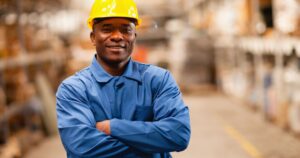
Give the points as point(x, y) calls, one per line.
point(115, 46)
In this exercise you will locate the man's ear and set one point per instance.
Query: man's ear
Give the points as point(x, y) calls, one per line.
point(92, 37)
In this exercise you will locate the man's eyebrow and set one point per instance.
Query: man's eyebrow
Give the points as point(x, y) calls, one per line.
point(106, 25)
point(126, 25)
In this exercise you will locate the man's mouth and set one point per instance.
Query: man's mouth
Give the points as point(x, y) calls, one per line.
point(116, 46)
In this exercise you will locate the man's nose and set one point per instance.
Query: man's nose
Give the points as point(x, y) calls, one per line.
point(117, 36)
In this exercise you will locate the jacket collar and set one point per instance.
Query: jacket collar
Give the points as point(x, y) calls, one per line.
point(131, 72)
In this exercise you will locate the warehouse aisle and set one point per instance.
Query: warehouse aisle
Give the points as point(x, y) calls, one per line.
point(223, 128)
point(220, 128)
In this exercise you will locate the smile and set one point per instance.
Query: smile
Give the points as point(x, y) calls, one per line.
point(116, 46)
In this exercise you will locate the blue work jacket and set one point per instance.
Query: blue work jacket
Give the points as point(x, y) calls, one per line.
point(148, 118)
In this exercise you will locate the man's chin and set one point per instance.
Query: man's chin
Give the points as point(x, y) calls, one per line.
point(115, 61)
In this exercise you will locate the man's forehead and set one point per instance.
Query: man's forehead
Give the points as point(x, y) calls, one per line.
point(117, 21)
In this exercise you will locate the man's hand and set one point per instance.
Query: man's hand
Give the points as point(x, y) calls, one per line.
point(104, 126)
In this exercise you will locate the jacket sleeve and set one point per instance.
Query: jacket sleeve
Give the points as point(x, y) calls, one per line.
point(76, 125)
point(170, 130)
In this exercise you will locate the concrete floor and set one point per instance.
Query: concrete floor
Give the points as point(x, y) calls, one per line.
point(221, 128)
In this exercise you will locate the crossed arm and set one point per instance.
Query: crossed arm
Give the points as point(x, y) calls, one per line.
point(84, 137)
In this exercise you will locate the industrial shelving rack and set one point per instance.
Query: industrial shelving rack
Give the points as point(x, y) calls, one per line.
point(263, 72)
point(28, 62)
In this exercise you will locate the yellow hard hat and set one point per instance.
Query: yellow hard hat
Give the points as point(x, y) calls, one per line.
point(113, 8)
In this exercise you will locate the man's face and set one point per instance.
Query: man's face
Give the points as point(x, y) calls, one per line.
point(114, 39)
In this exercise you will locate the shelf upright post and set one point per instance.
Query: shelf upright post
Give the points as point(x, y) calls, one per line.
point(20, 32)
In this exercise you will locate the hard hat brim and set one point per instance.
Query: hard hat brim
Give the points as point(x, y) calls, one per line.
point(90, 22)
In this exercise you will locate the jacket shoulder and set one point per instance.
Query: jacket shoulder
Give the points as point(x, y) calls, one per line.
point(149, 70)
point(77, 83)
point(79, 79)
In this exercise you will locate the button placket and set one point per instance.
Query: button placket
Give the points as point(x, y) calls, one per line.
point(118, 84)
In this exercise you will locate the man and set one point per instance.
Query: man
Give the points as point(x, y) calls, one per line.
point(117, 107)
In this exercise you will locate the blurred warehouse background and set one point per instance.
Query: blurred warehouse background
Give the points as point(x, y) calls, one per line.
point(248, 50)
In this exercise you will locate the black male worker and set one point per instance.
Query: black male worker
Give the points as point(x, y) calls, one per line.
point(117, 107)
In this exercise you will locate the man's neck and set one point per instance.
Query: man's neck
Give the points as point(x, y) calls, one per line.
point(114, 69)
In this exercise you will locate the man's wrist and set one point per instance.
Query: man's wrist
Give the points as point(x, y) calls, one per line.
point(104, 126)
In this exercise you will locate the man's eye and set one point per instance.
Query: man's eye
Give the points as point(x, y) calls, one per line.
point(127, 30)
point(106, 30)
